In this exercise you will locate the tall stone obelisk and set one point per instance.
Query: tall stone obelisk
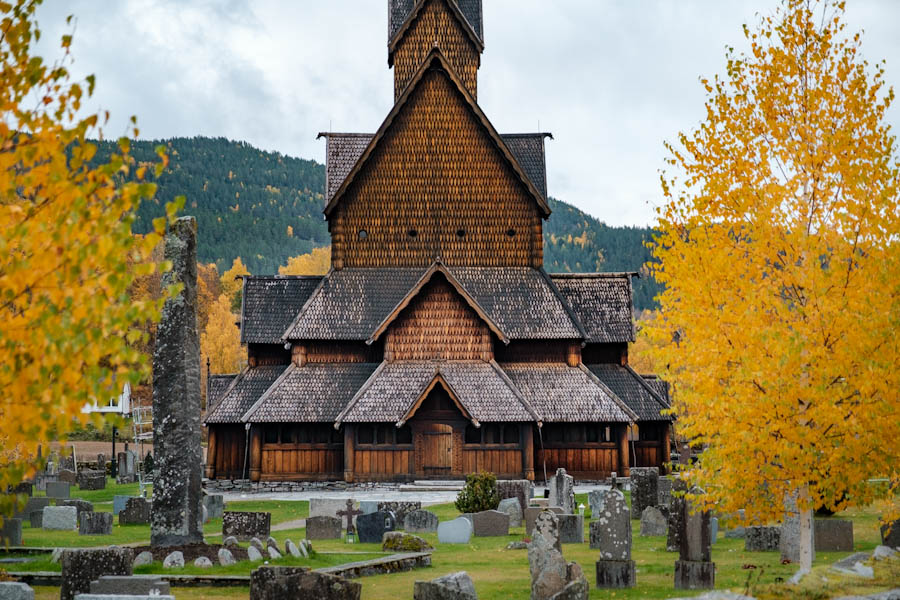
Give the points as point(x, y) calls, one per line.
point(176, 517)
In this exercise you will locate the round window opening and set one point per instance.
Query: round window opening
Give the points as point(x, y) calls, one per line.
point(413, 233)
point(460, 233)
point(363, 234)
point(511, 232)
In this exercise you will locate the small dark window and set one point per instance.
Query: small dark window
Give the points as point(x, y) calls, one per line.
point(574, 434)
point(492, 434)
point(404, 435)
point(473, 434)
point(511, 434)
point(460, 233)
point(337, 436)
point(412, 233)
point(322, 434)
point(648, 433)
point(272, 434)
point(593, 434)
point(365, 435)
point(553, 433)
point(301, 434)
point(384, 435)
point(511, 232)
point(363, 234)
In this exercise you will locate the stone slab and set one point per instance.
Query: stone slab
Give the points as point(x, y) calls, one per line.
point(32, 505)
point(762, 539)
point(695, 575)
point(371, 528)
point(323, 528)
point(532, 512)
point(136, 512)
point(81, 567)
point(890, 534)
point(399, 508)
point(571, 529)
point(833, 535)
point(513, 509)
point(644, 489)
point(421, 521)
point(139, 585)
point(60, 518)
point(10, 590)
point(246, 525)
point(611, 532)
point(653, 522)
point(58, 489)
point(95, 523)
point(11, 533)
point(457, 531)
point(214, 505)
point(521, 489)
point(615, 574)
point(283, 583)
point(562, 491)
point(490, 523)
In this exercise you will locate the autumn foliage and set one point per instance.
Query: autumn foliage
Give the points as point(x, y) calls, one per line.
point(316, 262)
point(221, 338)
point(67, 255)
point(779, 250)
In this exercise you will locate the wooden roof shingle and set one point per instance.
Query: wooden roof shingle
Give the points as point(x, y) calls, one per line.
point(638, 393)
point(270, 303)
point(602, 303)
point(400, 10)
point(243, 392)
point(217, 385)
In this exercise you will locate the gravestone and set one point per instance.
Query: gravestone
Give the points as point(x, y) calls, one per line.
point(119, 503)
point(292, 549)
point(676, 514)
point(58, 489)
point(532, 512)
point(790, 530)
point(349, 513)
point(256, 543)
point(521, 489)
point(36, 519)
point(245, 525)
point(23, 488)
point(762, 539)
point(890, 534)
point(400, 541)
point(695, 570)
point(101, 462)
point(82, 506)
point(273, 552)
point(329, 507)
point(134, 585)
point(254, 554)
point(136, 512)
point(562, 491)
point(457, 531)
point(282, 583)
point(11, 534)
point(11, 590)
point(595, 498)
point(125, 467)
point(143, 559)
point(713, 529)
point(81, 567)
point(95, 523)
point(203, 562)
point(67, 476)
point(455, 586)
point(644, 489)
point(176, 517)
point(421, 521)
point(513, 509)
point(611, 534)
point(32, 505)
point(371, 528)
point(490, 523)
point(215, 505)
point(551, 575)
point(323, 528)
point(653, 522)
point(833, 535)
point(226, 558)
point(174, 560)
point(60, 518)
point(400, 509)
point(571, 529)
point(664, 488)
point(91, 480)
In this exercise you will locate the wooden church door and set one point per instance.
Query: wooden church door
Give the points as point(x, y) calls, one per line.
point(437, 457)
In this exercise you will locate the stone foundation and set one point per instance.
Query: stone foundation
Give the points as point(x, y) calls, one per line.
point(615, 574)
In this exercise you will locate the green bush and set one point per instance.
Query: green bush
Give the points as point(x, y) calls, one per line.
point(479, 494)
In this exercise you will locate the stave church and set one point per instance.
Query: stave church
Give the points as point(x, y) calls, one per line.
point(437, 345)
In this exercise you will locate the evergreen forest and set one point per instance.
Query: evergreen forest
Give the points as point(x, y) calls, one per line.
point(267, 207)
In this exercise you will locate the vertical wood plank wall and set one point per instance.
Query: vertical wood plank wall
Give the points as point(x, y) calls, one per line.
point(286, 462)
point(587, 463)
point(229, 456)
point(383, 463)
point(504, 463)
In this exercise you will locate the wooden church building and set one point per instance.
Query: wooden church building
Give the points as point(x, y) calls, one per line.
point(436, 345)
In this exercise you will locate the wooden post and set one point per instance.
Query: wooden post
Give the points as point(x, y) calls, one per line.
point(528, 451)
point(667, 447)
point(211, 453)
point(349, 448)
point(573, 356)
point(624, 465)
point(255, 452)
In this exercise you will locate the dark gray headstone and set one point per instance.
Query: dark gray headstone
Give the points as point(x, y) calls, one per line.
point(32, 505)
point(833, 535)
point(11, 534)
point(215, 505)
point(125, 469)
point(136, 511)
point(761, 539)
point(246, 525)
point(695, 570)
point(421, 521)
point(532, 512)
point(676, 516)
point(890, 534)
point(58, 489)
point(134, 585)
point(176, 518)
point(644, 489)
point(551, 575)
point(400, 509)
point(290, 583)
point(23, 488)
point(323, 528)
point(37, 519)
point(82, 506)
point(611, 531)
point(90, 479)
point(95, 523)
point(653, 522)
point(571, 529)
point(664, 487)
point(372, 527)
point(455, 586)
point(521, 489)
point(562, 491)
point(81, 567)
point(67, 476)
point(513, 509)
point(490, 523)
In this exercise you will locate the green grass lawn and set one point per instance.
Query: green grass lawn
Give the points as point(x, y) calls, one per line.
point(499, 573)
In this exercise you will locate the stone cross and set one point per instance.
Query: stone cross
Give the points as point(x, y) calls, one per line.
point(349, 513)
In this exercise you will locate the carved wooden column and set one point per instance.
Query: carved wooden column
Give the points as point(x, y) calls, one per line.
point(666, 447)
point(255, 452)
point(211, 453)
point(624, 465)
point(349, 449)
point(528, 451)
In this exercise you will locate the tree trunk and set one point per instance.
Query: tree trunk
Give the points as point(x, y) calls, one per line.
point(806, 532)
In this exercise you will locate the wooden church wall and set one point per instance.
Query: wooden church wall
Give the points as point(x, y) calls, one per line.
point(320, 351)
point(436, 186)
point(436, 26)
point(438, 324)
point(572, 446)
point(225, 451)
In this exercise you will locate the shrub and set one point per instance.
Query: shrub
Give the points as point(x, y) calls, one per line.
point(479, 494)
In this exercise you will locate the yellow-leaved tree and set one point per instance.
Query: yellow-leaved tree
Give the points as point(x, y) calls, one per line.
point(221, 339)
point(68, 329)
point(232, 284)
point(780, 254)
point(316, 262)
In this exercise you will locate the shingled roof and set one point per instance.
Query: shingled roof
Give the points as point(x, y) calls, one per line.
point(564, 394)
point(638, 393)
point(394, 388)
point(313, 393)
point(243, 392)
point(399, 10)
point(343, 150)
point(351, 303)
point(217, 385)
point(270, 304)
point(601, 302)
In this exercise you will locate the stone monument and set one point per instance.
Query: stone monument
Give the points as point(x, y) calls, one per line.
point(176, 518)
point(611, 533)
point(562, 491)
point(695, 569)
point(644, 489)
point(551, 576)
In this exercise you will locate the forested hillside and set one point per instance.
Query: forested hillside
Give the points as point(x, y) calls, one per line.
point(266, 207)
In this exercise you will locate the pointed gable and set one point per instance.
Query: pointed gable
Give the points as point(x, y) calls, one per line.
point(437, 180)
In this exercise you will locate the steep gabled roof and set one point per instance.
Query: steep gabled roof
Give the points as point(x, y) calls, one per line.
point(217, 385)
point(343, 150)
point(270, 304)
point(436, 60)
point(602, 303)
point(634, 390)
point(243, 392)
point(403, 13)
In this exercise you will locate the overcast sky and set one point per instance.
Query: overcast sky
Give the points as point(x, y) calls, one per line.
point(610, 79)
